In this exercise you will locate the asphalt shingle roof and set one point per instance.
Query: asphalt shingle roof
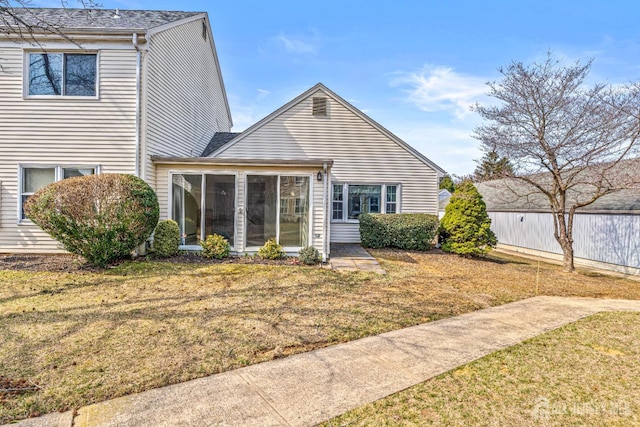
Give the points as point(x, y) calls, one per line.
point(516, 195)
point(218, 140)
point(95, 18)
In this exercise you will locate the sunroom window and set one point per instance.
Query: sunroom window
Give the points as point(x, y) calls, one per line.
point(204, 204)
point(62, 74)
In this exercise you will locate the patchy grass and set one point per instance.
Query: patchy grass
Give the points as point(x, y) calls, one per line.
point(84, 336)
point(585, 373)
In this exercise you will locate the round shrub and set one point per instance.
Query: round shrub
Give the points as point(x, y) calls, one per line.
point(271, 250)
point(465, 228)
point(100, 217)
point(215, 246)
point(309, 255)
point(166, 238)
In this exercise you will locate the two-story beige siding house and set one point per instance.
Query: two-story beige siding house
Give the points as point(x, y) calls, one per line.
point(140, 92)
point(105, 94)
point(303, 175)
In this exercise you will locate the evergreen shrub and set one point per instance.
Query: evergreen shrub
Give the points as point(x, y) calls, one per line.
point(100, 217)
point(465, 228)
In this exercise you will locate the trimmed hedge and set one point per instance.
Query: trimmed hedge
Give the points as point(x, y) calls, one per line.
point(166, 238)
point(100, 217)
point(403, 231)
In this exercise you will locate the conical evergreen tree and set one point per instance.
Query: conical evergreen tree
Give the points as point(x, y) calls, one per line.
point(492, 166)
point(465, 227)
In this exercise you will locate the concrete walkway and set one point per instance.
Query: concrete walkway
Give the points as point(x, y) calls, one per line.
point(308, 388)
point(353, 257)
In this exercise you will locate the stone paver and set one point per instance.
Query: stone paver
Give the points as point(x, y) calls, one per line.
point(308, 388)
point(353, 257)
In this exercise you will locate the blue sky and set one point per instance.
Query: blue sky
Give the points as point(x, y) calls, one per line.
point(413, 66)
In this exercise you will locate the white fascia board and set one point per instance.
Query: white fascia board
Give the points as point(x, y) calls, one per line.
point(164, 27)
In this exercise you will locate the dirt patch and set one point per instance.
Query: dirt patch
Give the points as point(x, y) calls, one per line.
point(66, 263)
point(10, 387)
point(55, 263)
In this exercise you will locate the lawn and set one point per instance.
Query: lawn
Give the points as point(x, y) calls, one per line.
point(585, 373)
point(85, 336)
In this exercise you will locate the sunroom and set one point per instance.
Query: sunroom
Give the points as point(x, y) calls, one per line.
point(246, 201)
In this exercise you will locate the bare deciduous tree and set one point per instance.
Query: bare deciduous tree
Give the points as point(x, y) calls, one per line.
point(566, 140)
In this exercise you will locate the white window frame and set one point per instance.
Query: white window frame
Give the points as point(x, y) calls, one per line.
point(345, 199)
point(202, 174)
point(58, 176)
point(289, 249)
point(25, 74)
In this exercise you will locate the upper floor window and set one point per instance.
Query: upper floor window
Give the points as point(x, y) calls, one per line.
point(62, 74)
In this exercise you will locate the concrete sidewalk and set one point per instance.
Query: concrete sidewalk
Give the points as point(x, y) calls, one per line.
point(308, 388)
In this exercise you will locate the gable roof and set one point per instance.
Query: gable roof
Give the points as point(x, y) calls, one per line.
point(340, 101)
point(96, 20)
point(218, 140)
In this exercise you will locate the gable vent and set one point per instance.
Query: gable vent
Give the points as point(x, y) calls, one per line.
point(320, 107)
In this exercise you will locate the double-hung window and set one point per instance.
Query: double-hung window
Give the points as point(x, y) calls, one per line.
point(351, 200)
point(33, 178)
point(62, 74)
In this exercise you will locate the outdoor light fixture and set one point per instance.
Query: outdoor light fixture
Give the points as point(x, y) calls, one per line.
point(319, 176)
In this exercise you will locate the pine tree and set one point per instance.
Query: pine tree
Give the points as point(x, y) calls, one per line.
point(492, 166)
point(446, 183)
point(465, 227)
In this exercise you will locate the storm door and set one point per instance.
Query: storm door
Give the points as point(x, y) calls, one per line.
point(261, 209)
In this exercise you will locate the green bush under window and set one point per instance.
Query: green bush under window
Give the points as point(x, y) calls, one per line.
point(403, 231)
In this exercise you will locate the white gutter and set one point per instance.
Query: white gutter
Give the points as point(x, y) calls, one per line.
point(138, 60)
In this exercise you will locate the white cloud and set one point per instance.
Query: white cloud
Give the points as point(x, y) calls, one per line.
point(299, 45)
point(262, 94)
point(439, 88)
point(450, 147)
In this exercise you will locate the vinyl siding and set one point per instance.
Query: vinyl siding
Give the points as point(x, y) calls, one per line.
point(162, 179)
point(611, 239)
point(361, 154)
point(96, 132)
point(183, 95)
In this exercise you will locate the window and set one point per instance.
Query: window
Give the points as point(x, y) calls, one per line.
point(369, 198)
point(62, 74)
point(37, 177)
point(392, 199)
point(363, 199)
point(203, 204)
point(338, 204)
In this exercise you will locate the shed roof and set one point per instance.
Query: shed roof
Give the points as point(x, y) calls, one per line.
point(218, 140)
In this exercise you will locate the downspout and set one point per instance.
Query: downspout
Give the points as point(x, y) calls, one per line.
point(134, 41)
point(325, 231)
